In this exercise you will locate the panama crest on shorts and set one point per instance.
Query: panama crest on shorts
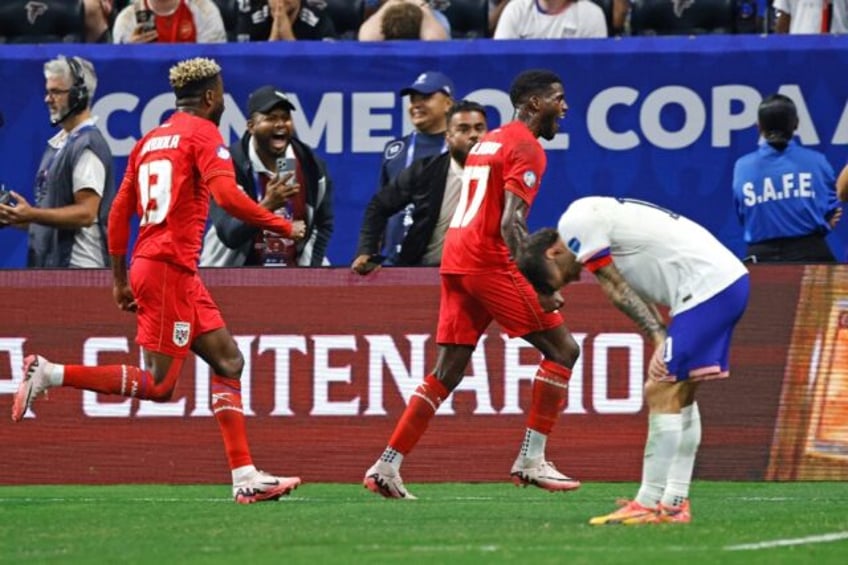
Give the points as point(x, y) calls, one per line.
point(182, 331)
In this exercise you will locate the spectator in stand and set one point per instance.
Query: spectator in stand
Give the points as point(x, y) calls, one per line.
point(283, 20)
point(45, 21)
point(784, 193)
point(75, 184)
point(434, 26)
point(98, 20)
point(433, 185)
point(303, 191)
point(402, 20)
point(430, 98)
point(551, 19)
point(810, 16)
point(495, 9)
point(170, 21)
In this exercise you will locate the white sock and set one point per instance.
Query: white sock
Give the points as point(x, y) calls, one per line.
point(55, 373)
point(664, 431)
point(242, 473)
point(393, 457)
point(680, 471)
point(533, 446)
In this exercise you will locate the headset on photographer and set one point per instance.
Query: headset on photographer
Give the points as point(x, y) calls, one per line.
point(78, 94)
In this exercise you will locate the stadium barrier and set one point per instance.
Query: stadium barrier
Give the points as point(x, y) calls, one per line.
point(659, 119)
point(332, 357)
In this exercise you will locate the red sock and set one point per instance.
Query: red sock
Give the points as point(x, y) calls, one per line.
point(413, 423)
point(226, 404)
point(550, 387)
point(124, 380)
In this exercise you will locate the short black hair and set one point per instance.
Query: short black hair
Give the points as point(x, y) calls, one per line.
point(531, 261)
point(530, 83)
point(465, 106)
point(778, 120)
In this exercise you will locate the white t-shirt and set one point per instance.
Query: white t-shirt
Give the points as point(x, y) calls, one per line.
point(207, 21)
point(89, 173)
point(523, 19)
point(666, 258)
point(806, 15)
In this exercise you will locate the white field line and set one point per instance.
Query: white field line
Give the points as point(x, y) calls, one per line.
point(822, 538)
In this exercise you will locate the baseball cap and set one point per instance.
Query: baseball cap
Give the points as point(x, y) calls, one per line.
point(430, 82)
point(265, 98)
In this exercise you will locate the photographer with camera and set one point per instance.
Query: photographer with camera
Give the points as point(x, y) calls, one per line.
point(285, 176)
point(75, 185)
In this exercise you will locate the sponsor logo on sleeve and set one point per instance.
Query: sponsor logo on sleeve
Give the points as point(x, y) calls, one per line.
point(530, 179)
point(574, 245)
point(223, 152)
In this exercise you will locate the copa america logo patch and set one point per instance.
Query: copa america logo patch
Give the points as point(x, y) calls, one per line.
point(393, 149)
point(530, 179)
point(574, 245)
point(182, 331)
point(223, 152)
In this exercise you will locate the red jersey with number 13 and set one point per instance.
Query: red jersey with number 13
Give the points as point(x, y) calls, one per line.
point(169, 169)
point(508, 158)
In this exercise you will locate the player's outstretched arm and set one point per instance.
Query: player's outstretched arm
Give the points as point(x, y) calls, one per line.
point(238, 204)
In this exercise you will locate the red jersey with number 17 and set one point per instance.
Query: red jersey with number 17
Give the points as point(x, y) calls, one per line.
point(166, 180)
point(509, 158)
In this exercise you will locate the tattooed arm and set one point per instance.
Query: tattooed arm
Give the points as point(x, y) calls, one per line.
point(646, 315)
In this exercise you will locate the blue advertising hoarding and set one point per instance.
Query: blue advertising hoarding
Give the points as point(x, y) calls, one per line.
point(659, 119)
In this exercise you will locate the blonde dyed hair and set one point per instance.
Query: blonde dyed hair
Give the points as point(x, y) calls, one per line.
point(192, 72)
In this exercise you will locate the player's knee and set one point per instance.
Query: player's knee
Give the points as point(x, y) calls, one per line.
point(162, 392)
point(567, 354)
point(231, 366)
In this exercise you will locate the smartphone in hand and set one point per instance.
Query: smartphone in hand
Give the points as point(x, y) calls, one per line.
point(145, 19)
point(286, 165)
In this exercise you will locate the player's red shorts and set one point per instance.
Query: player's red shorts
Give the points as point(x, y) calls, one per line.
point(469, 303)
point(173, 307)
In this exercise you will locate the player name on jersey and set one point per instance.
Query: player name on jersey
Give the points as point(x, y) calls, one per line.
point(486, 148)
point(161, 142)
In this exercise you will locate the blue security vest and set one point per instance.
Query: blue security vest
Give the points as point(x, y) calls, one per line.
point(789, 193)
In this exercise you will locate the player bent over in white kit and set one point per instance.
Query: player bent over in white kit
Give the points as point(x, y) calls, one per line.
point(643, 255)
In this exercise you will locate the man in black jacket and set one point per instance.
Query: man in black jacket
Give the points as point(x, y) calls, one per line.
point(434, 185)
point(285, 176)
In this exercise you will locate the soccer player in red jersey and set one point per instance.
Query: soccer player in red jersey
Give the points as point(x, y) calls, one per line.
point(170, 175)
point(481, 283)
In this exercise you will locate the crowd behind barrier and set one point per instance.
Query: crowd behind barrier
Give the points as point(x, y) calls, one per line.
point(23, 21)
point(657, 119)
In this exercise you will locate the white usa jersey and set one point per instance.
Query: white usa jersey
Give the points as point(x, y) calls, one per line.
point(665, 257)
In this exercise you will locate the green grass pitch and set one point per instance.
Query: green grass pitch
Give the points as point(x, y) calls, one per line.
point(733, 522)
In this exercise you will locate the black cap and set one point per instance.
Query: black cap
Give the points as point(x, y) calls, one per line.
point(777, 118)
point(267, 97)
